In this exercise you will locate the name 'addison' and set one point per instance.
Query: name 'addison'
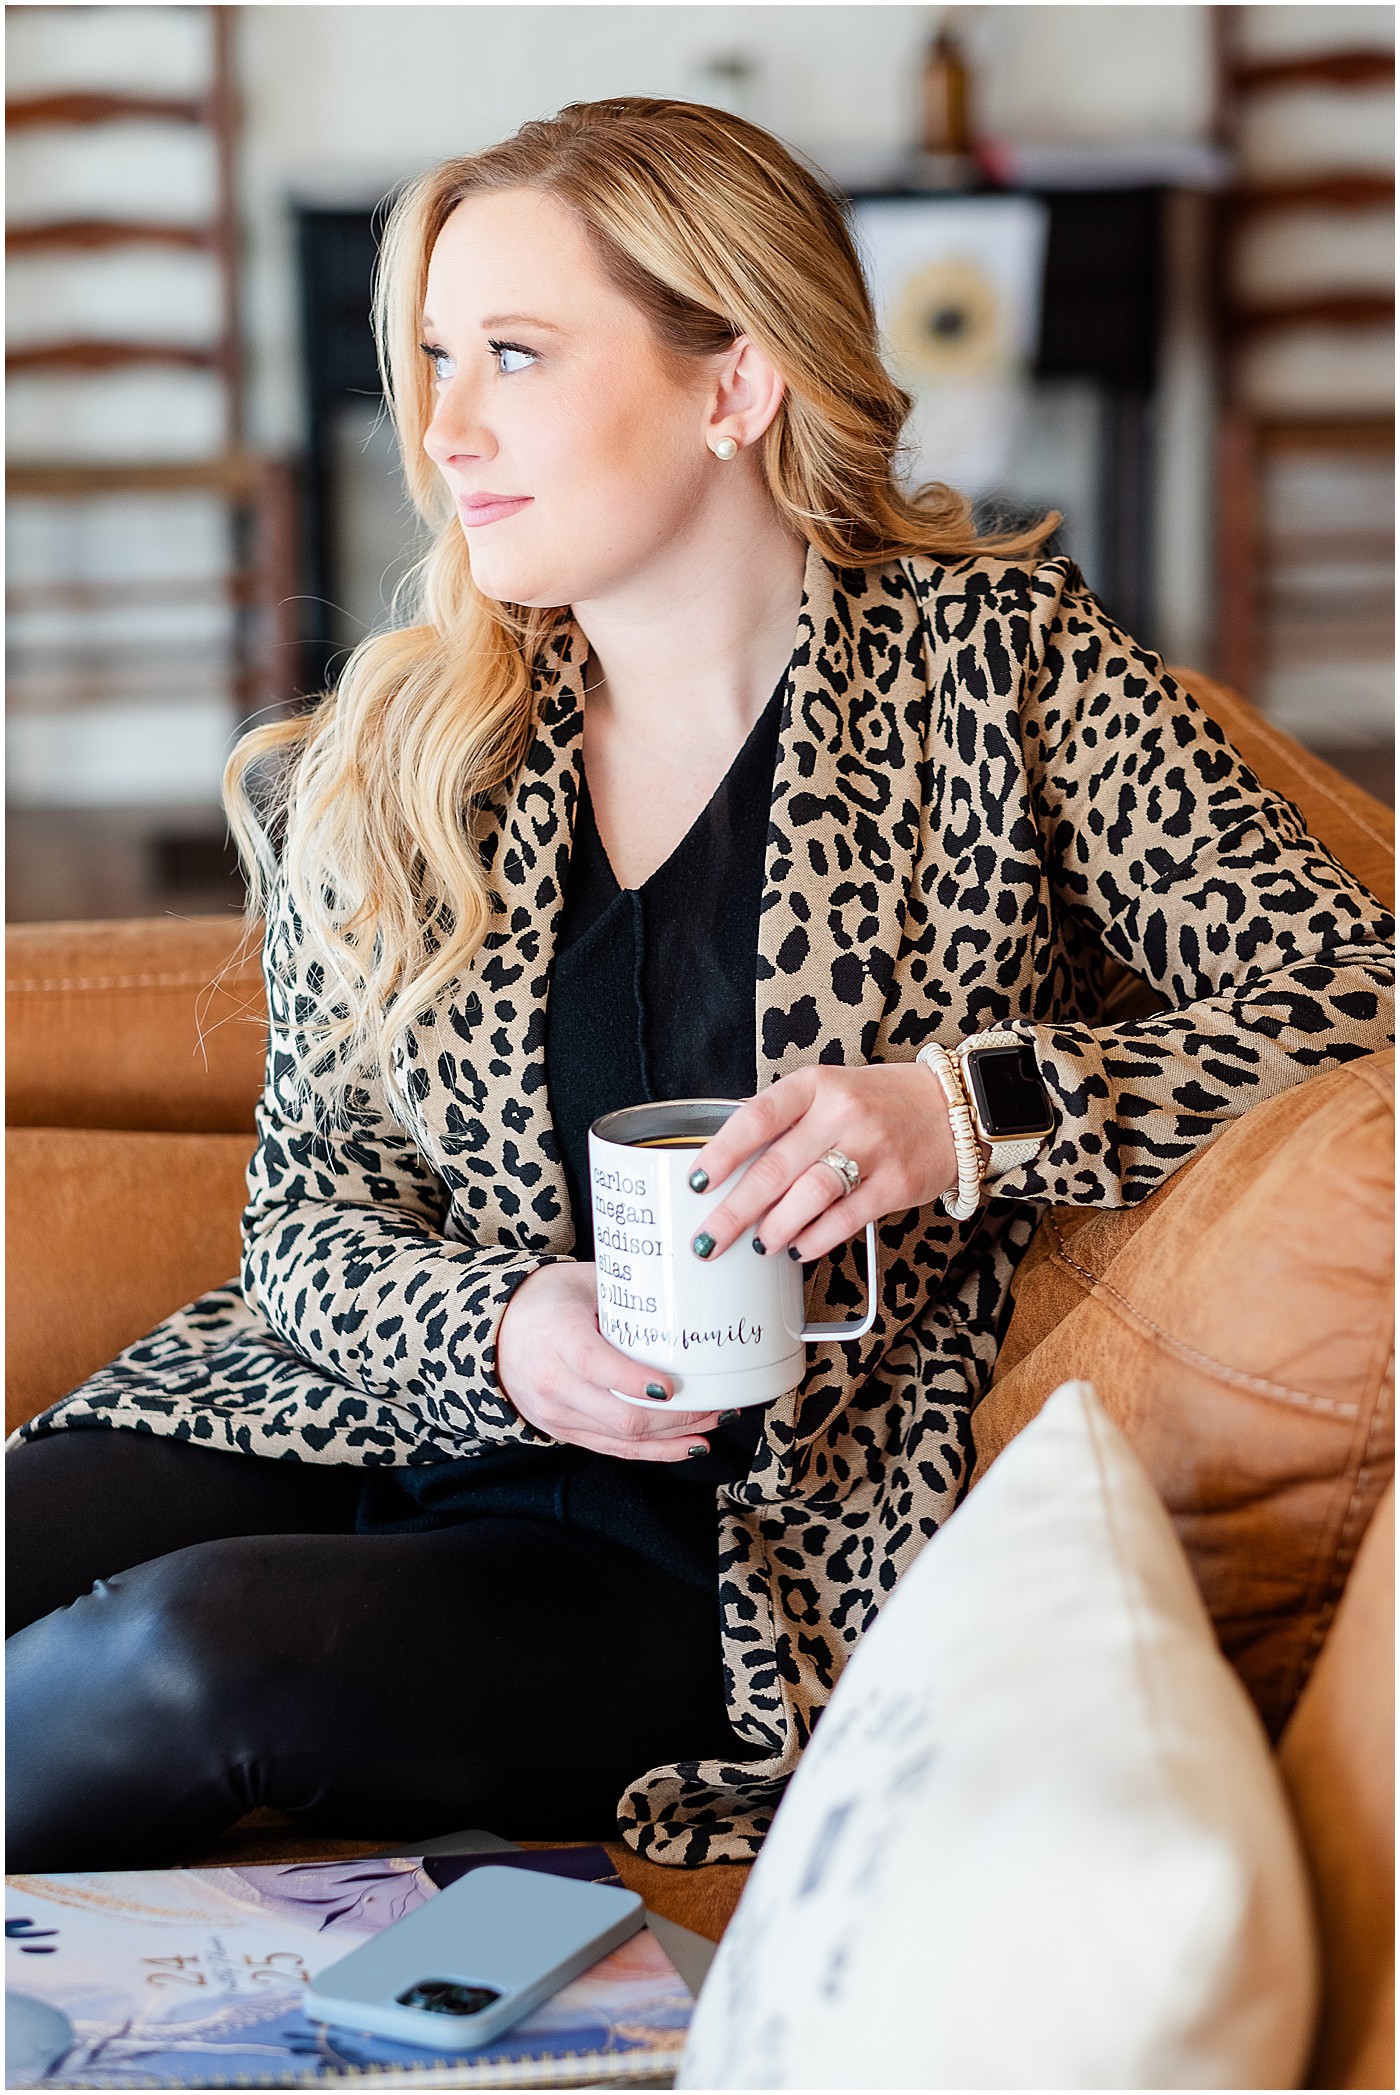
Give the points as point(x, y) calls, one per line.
point(632, 1247)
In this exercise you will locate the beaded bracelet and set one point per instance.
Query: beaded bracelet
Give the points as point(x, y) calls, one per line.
point(963, 1201)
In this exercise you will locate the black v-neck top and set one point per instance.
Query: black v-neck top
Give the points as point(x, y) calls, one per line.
point(652, 996)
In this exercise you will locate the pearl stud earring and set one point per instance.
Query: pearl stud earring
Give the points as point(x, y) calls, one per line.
point(726, 447)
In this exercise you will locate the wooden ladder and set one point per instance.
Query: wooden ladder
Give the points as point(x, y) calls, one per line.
point(259, 584)
point(1251, 437)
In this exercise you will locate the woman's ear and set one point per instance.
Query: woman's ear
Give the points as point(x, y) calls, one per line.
point(748, 392)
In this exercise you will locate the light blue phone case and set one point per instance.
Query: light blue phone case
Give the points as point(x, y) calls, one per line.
point(516, 1934)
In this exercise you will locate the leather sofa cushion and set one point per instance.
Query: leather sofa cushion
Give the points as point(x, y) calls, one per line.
point(1337, 1760)
point(106, 1233)
point(156, 1023)
point(1238, 1327)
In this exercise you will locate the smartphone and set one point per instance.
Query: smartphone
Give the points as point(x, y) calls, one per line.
point(459, 1971)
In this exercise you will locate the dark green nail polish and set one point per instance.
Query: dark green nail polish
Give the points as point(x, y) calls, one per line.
point(654, 1389)
point(793, 1251)
point(698, 1180)
point(759, 1246)
point(700, 1449)
point(702, 1245)
point(727, 1418)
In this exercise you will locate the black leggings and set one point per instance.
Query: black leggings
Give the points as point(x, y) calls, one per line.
point(195, 1634)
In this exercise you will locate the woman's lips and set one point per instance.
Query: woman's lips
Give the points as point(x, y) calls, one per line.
point(489, 509)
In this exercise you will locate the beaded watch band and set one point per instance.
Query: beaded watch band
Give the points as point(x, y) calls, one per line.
point(1008, 1152)
point(963, 1203)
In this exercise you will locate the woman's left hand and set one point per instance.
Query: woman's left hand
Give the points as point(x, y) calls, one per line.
point(890, 1118)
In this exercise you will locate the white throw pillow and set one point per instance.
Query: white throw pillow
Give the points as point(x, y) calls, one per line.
point(1038, 1840)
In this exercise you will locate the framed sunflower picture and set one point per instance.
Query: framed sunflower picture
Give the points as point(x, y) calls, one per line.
point(957, 284)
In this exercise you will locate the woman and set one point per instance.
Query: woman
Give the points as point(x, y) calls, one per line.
point(713, 765)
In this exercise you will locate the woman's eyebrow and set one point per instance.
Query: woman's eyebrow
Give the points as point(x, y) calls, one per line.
point(429, 325)
point(521, 320)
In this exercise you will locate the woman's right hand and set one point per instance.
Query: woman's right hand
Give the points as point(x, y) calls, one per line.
point(559, 1372)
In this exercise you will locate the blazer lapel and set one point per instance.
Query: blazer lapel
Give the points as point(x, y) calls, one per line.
point(489, 1112)
point(843, 829)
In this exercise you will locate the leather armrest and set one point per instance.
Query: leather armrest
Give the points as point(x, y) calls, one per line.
point(153, 1023)
point(1356, 828)
point(106, 1233)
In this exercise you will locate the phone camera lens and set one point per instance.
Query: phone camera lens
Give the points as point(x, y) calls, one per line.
point(448, 1997)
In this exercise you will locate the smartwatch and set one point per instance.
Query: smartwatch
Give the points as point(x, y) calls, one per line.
point(1011, 1108)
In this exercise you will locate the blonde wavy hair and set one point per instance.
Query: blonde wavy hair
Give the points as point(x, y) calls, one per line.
point(715, 230)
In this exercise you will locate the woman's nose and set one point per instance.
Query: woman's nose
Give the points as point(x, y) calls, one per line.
point(456, 433)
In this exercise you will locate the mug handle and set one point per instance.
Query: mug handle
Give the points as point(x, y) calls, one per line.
point(819, 1332)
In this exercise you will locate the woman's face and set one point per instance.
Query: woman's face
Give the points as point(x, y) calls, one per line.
point(575, 450)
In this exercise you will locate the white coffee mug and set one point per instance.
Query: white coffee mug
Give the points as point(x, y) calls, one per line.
point(727, 1331)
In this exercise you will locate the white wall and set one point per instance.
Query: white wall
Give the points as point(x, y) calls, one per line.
point(1086, 75)
point(345, 100)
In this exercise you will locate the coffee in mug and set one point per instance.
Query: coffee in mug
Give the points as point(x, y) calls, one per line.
point(729, 1330)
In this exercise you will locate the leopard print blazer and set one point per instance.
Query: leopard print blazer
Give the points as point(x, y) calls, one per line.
point(983, 793)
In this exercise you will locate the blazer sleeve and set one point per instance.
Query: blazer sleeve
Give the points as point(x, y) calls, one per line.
point(344, 1245)
point(1273, 960)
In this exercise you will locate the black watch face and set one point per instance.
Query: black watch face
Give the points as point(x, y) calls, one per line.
point(1010, 1097)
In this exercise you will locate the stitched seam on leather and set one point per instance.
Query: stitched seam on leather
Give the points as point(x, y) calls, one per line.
point(1365, 1072)
point(34, 985)
point(1380, 1412)
point(1344, 809)
point(1380, 1415)
point(1258, 1385)
point(1315, 1592)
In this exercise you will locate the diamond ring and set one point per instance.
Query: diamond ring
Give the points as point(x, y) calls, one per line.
point(846, 1169)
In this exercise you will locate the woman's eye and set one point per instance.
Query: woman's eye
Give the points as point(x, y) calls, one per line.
point(510, 357)
point(443, 367)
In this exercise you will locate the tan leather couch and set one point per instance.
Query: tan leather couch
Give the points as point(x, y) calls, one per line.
point(1238, 1325)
